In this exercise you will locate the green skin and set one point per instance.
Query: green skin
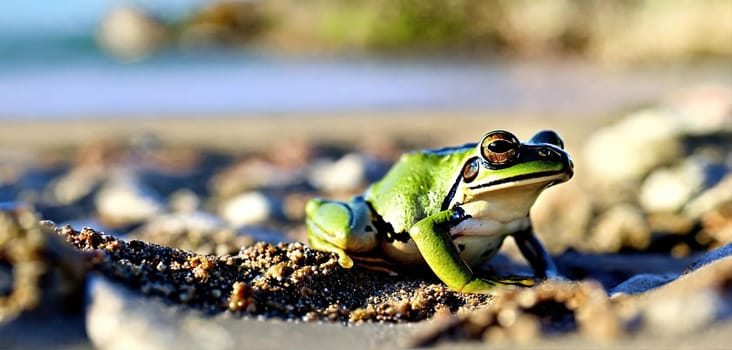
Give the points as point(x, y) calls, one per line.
point(450, 209)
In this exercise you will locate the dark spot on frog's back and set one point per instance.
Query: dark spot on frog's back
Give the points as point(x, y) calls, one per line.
point(461, 247)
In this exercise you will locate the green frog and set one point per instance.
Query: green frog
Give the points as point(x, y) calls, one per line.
point(449, 209)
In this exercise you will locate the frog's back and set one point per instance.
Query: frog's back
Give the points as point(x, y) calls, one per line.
point(417, 185)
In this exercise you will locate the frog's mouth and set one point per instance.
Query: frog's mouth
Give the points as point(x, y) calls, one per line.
point(547, 177)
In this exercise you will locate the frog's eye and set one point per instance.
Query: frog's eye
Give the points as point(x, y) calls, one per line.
point(499, 147)
point(547, 136)
point(470, 170)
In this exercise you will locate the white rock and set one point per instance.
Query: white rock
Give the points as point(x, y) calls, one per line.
point(345, 174)
point(125, 200)
point(669, 189)
point(74, 185)
point(247, 209)
point(717, 196)
point(130, 34)
point(629, 149)
point(116, 320)
point(681, 315)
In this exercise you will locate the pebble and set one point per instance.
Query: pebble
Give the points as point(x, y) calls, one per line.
point(248, 208)
point(633, 146)
point(125, 200)
point(252, 174)
point(74, 185)
point(619, 226)
point(346, 174)
point(116, 319)
point(719, 196)
point(129, 34)
point(669, 189)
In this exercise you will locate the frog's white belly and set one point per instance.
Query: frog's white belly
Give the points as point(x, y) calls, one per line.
point(477, 240)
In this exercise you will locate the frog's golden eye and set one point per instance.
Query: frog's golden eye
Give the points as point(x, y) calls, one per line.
point(470, 170)
point(499, 147)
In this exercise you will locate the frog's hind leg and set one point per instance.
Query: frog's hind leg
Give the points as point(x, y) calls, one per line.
point(341, 228)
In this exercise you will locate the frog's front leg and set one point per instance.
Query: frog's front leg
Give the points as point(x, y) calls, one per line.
point(535, 254)
point(432, 237)
point(341, 228)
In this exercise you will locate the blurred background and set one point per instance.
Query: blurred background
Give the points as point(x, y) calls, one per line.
point(207, 125)
point(101, 59)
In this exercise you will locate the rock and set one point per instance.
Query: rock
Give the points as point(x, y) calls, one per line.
point(129, 34)
point(39, 270)
point(247, 209)
point(669, 189)
point(75, 185)
point(629, 149)
point(347, 174)
point(184, 201)
point(253, 174)
point(561, 216)
point(718, 196)
point(124, 200)
point(116, 319)
point(223, 23)
point(620, 226)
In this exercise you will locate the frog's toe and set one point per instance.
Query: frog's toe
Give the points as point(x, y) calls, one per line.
point(516, 281)
point(344, 260)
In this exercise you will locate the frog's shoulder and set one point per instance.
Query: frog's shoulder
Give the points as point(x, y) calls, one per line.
point(416, 186)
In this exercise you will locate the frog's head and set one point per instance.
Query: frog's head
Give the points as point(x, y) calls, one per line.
point(512, 174)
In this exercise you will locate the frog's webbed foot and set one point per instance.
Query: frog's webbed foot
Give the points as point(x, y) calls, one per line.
point(340, 228)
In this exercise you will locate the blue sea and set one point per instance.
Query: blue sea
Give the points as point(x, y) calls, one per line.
point(51, 67)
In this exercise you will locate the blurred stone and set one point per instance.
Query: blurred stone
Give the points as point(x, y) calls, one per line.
point(628, 150)
point(253, 174)
point(561, 216)
point(346, 174)
point(129, 34)
point(184, 201)
point(74, 185)
point(669, 189)
point(620, 226)
point(720, 195)
point(43, 271)
point(223, 23)
point(124, 200)
point(116, 319)
point(247, 209)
